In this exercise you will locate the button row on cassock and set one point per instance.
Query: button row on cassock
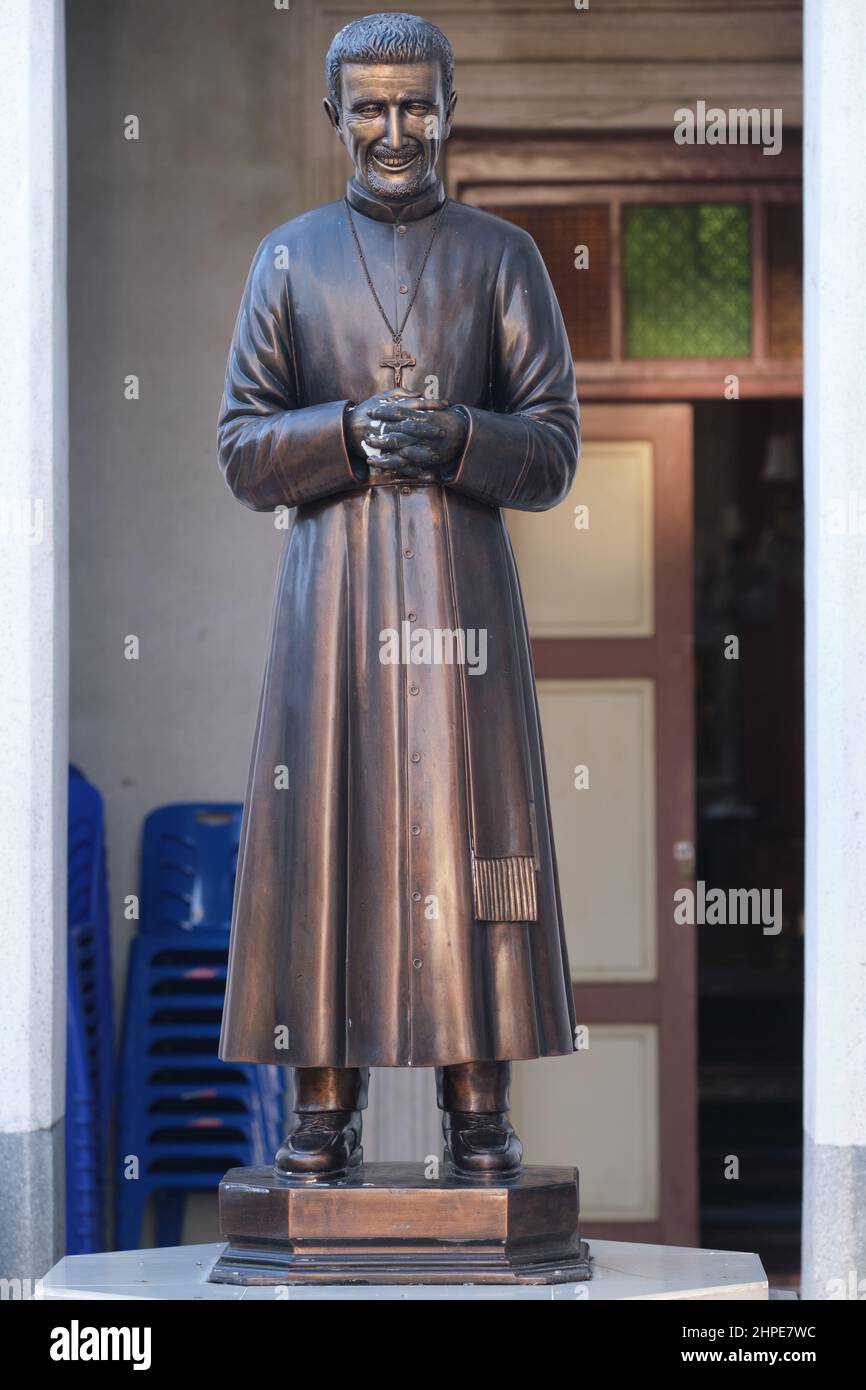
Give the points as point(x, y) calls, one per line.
point(414, 689)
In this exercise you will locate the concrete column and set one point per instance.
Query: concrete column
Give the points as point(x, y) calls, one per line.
point(834, 1215)
point(33, 634)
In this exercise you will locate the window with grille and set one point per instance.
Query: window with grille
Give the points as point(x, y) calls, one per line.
point(659, 281)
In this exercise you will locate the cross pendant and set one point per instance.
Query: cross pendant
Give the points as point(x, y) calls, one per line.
point(398, 362)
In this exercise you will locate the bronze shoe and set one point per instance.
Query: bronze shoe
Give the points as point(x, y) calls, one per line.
point(481, 1146)
point(321, 1144)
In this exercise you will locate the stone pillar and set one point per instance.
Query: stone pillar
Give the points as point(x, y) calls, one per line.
point(33, 634)
point(834, 1214)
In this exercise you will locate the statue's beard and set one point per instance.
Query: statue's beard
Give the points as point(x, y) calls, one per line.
point(412, 180)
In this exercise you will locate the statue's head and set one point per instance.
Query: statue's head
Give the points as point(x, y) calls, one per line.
point(391, 100)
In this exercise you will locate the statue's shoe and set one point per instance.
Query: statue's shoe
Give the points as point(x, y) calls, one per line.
point(481, 1146)
point(321, 1144)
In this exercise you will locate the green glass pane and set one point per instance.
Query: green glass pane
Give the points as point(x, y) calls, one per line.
point(688, 280)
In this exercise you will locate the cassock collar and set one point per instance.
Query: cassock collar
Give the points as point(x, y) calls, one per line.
point(383, 211)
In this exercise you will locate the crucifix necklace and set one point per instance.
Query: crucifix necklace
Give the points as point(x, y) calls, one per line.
point(399, 360)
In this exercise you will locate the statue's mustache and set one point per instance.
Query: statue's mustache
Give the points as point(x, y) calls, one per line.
point(403, 152)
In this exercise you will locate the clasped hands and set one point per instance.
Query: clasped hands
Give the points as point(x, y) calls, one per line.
point(414, 433)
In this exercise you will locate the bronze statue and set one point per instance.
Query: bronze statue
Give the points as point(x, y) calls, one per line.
point(399, 373)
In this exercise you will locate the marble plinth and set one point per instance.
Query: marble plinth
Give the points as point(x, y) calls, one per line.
point(620, 1270)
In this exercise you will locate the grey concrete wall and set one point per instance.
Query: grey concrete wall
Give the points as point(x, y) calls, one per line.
point(162, 231)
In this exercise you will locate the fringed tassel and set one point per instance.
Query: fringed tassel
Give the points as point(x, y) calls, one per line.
point(505, 889)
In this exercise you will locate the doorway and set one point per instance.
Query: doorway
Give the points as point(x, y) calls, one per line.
point(750, 811)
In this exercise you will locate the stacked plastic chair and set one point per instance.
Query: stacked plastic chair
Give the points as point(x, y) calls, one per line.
point(184, 1117)
point(85, 1155)
point(90, 1027)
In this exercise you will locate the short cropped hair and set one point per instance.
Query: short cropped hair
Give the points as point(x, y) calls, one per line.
point(389, 38)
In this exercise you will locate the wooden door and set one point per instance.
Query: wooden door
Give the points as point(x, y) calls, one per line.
point(607, 580)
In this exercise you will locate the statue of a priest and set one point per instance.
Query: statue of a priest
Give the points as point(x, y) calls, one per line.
point(399, 374)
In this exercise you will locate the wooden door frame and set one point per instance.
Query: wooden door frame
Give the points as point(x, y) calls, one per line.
point(669, 1002)
point(653, 169)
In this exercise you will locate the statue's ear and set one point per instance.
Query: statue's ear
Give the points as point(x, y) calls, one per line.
point(449, 115)
point(333, 113)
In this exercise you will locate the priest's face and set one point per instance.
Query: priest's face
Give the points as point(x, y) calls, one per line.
point(392, 120)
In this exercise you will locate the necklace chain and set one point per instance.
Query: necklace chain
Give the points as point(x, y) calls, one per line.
point(396, 334)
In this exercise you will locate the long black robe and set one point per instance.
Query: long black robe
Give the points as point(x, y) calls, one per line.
point(397, 899)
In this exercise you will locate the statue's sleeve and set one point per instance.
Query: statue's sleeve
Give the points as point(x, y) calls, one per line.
point(523, 452)
point(272, 450)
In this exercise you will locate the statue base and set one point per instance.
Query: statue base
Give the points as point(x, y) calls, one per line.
point(387, 1223)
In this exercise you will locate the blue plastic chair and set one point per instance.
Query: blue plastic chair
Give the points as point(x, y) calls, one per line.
point(183, 1116)
point(89, 931)
point(90, 1027)
point(85, 1165)
point(189, 858)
